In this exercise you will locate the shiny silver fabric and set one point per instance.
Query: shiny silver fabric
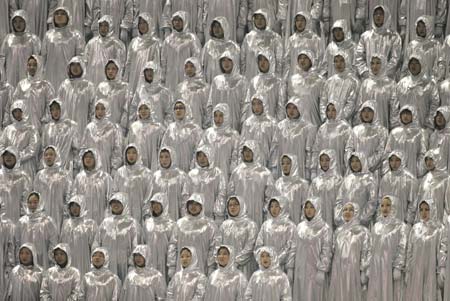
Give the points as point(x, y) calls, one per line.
point(79, 232)
point(143, 48)
point(37, 93)
point(155, 9)
point(234, 12)
point(412, 140)
point(183, 137)
point(253, 182)
point(6, 98)
point(230, 89)
point(268, 283)
point(444, 91)
point(293, 187)
point(198, 230)
point(227, 282)
point(16, 48)
point(82, 13)
point(389, 241)
point(263, 129)
point(352, 247)
point(61, 283)
point(258, 40)
point(78, 96)
point(421, 92)
point(62, 134)
point(176, 48)
point(393, 6)
point(195, 91)
point(296, 137)
point(307, 85)
point(272, 8)
point(24, 136)
point(144, 283)
point(196, 13)
point(224, 141)
point(147, 135)
point(38, 228)
point(119, 234)
point(156, 234)
point(211, 182)
point(189, 283)
point(312, 254)
point(96, 185)
point(99, 50)
point(155, 94)
point(447, 268)
point(133, 179)
point(54, 183)
point(429, 238)
point(120, 10)
point(325, 186)
point(59, 46)
point(100, 283)
point(215, 47)
point(106, 137)
point(278, 232)
point(25, 281)
point(7, 247)
point(4, 26)
point(240, 232)
point(359, 187)
point(287, 9)
point(440, 138)
point(380, 40)
point(174, 182)
point(352, 11)
point(402, 185)
point(14, 186)
point(38, 13)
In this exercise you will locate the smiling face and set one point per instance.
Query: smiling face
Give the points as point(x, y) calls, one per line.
point(439, 121)
point(355, 164)
point(144, 112)
point(116, 207)
point(9, 160)
point(375, 65)
point(74, 209)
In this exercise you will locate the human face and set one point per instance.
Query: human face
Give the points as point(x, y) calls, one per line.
point(223, 257)
point(338, 34)
point(292, 111)
point(202, 159)
point(103, 29)
point(348, 212)
point(263, 64)
point(394, 162)
point(55, 111)
point(148, 75)
point(424, 211)
point(386, 207)
point(75, 70)
point(218, 118)
point(300, 23)
point(439, 121)
point(32, 66)
point(259, 21)
point(60, 18)
point(189, 69)
point(367, 115)
point(177, 24)
point(89, 161)
point(355, 164)
point(9, 160)
point(157, 208)
point(49, 156)
point(414, 66)
point(164, 159)
point(132, 155)
point(421, 29)
point(429, 164)
point(98, 259)
point(17, 114)
point(217, 30)
point(139, 260)
point(257, 106)
point(33, 202)
point(324, 162)
point(406, 117)
point(378, 17)
point(331, 112)
point(74, 209)
point(339, 63)
point(60, 257)
point(309, 210)
point(144, 112)
point(111, 71)
point(286, 165)
point(116, 207)
point(247, 155)
point(142, 26)
point(375, 65)
point(180, 111)
point(304, 62)
point(226, 65)
point(274, 208)
point(233, 207)
point(265, 260)
point(194, 208)
point(100, 111)
point(185, 258)
point(25, 257)
point(18, 24)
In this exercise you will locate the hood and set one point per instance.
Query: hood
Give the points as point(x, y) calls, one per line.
point(119, 70)
point(32, 249)
point(311, 57)
point(147, 17)
point(105, 253)
point(145, 252)
point(338, 113)
point(80, 201)
point(270, 56)
point(355, 219)
point(445, 111)
point(263, 100)
point(19, 104)
point(395, 203)
point(66, 249)
point(429, 25)
point(294, 165)
point(14, 151)
point(348, 64)
point(163, 200)
point(69, 17)
point(40, 207)
point(76, 60)
point(61, 107)
point(183, 16)
point(371, 104)
point(156, 74)
point(433, 211)
point(382, 71)
point(273, 256)
point(98, 162)
point(284, 208)
point(149, 105)
point(209, 152)
point(342, 23)
point(225, 109)
point(230, 266)
point(173, 156)
point(387, 19)
point(363, 159)
point(412, 109)
point(21, 14)
point(198, 68)
point(122, 197)
point(57, 162)
point(435, 155)
point(40, 68)
point(317, 204)
point(307, 17)
point(138, 159)
point(332, 170)
point(236, 68)
point(422, 73)
point(187, 107)
point(297, 102)
point(399, 154)
point(243, 208)
point(225, 27)
point(254, 147)
point(108, 19)
point(194, 263)
point(105, 103)
point(198, 198)
point(265, 14)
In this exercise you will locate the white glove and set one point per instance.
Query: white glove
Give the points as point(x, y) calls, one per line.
point(397, 275)
point(320, 277)
point(124, 35)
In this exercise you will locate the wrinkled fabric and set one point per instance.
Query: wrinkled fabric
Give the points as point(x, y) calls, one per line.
point(196, 13)
point(198, 230)
point(79, 233)
point(59, 46)
point(393, 6)
point(120, 10)
point(61, 283)
point(272, 8)
point(447, 268)
point(82, 13)
point(287, 9)
point(7, 247)
point(6, 98)
point(120, 234)
point(234, 13)
point(155, 9)
point(440, 138)
point(352, 11)
point(38, 12)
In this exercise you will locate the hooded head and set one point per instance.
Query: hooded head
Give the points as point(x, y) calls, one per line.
point(66, 249)
point(342, 24)
point(145, 102)
point(308, 53)
point(228, 55)
point(356, 211)
point(378, 58)
point(435, 155)
point(39, 74)
point(69, 17)
point(283, 203)
point(147, 17)
point(273, 258)
point(138, 161)
point(262, 12)
point(317, 204)
point(109, 20)
point(223, 22)
point(259, 99)
point(412, 63)
point(81, 202)
point(293, 162)
point(144, 251)
point(270, 57)
point(199, 199)
point(338, 113)
point(307, 17)
point(173, 158)
point(242, 205)
point(156, 79)
point(122, 198)
point(194, 259)
point(363, 161)
point(399, 154)
point(12, 150)
point(394, 203)
point(412, 109)
point(387, 18)
point(184, 16)
point(76, 60)
point(332, 169)
point(225, 110)
point(346, 59)
point(62, 112)
point(37, 208)
point(57, 159)
point(433, 216)
point(209, 153)
point(19, 105)
point(19, 14)
point(197, 66)
point(428, 21)
point(98, 162)
point(162, 199)
point(445, 112)
point(371, 105)
point(107, 114)
point(105, 253)
point(115, 63)
point(297, 102)
point(230, 265)
point(187, 110)
point(34, 254)
point(254, 147)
